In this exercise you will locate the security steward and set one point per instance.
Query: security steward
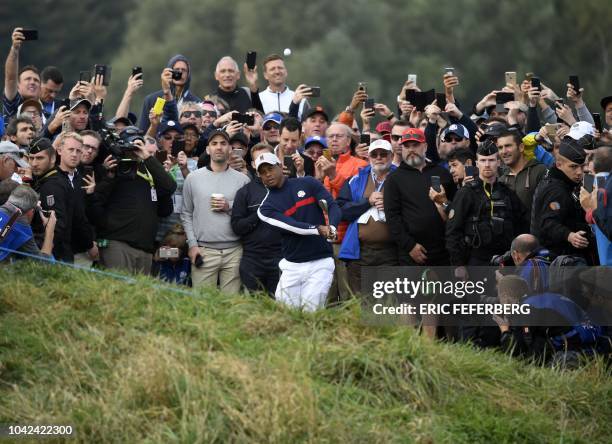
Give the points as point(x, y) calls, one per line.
point(557, 219)
point(485, 214)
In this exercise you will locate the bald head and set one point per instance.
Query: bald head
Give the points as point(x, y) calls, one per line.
point(523, 246)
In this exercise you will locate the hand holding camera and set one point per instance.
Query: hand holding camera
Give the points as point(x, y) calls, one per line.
point(360, 96)
point(166, 81)
point(134, 83)
point(301, 92)
point(564, 112)
point(250, 75)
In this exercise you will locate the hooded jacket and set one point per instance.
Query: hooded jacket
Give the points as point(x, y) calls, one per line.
point(149, 101)
point(525, 181)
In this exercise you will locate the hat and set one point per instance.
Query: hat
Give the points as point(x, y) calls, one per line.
point(268, 158)
point(13, 151)
point(572, 150)
point(40, 144)
point(316, 139)
point(191, 126)
point(383, 127)
point(458, 130)
point(413, 134)
point(240, 137)
point(76, 102)
point(493, 131)
point(580, 129)
point(30, 102)
point(272, 117)
point(218, 132)
point(169, 125)
point(123, 120)
point(605, 101)
point(487, 148)
point(380, 144)
point(316, 110)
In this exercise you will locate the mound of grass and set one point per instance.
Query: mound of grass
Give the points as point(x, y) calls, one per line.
point(132, 362)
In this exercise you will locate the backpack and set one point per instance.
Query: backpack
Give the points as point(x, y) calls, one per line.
point(563, 275)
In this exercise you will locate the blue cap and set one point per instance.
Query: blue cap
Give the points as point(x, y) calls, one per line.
point(458, 130)
point(316, 139)
point(272, 117)
point(169, 125)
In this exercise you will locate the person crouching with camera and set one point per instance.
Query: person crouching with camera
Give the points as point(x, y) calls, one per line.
point(174, 263)
point(127, 203)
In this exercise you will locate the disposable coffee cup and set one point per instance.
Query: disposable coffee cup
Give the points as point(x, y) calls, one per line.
point(215, 196)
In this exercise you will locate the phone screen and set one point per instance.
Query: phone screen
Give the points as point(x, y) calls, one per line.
point(441, 100)
point(364, 138)
point(161, 155)
point(471, 171)
point(575, 82)
point(435, 183)
point(588, 181)
point(30, 34)
point(597, 120)
point(369, 103)
point(316, 91)
point(84, 76)
point(251, 59)
point(535, 83)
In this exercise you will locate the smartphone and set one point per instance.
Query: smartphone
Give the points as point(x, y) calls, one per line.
point(177, 75)
point(535, 83)
point(66, 103)
point(199, 261)
point(105, 72)
point(450, 71)
point(369, 103)
point(441, 100)
point(88, 170)
point(362, 86)
point(588, 180)
point(560, 102)
point(365, 138)
point(161, 155)
point(411, 96)
point(30, 34)
point(158, 108)
point(504, 97)
point(316, 91)
point(471, 171)
point(178, 145)
point(597, 120)
point(412, 78)
point(327, 154)
point(251, 59)
point(551, 130)
point(435, 183)
point(137, 70)
point(575, 82)
point(601, 182)
point(85, 76)
point(288, 162)
point(238, 152)
point(247, 119)
point(510, 77)
point(168, 253)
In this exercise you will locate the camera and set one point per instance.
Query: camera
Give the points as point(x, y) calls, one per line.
point(502, 260)
point(176, 74)
point(120, 145)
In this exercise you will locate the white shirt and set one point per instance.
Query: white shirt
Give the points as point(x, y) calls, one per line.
point(281, 102)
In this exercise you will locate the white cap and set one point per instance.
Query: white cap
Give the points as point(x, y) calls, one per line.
point(11, 150)
point(380, 144)
point(268, 158)
point(581, 129)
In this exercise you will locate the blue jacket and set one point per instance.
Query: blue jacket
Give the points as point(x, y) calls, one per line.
point(294, 210)
point(603, 219)
point(149, 101)
point(353, 205)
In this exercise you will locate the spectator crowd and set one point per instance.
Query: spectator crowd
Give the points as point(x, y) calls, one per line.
point(257, 187)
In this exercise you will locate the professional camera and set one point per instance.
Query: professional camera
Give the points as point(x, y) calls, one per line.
point(121, 145)
point(502, 260)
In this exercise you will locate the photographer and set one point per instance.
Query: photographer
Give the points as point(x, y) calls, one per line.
point(126, 204)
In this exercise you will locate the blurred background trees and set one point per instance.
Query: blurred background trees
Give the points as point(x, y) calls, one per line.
point(334, 44)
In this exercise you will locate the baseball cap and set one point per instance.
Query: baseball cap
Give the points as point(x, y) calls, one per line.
point(272, 117)
point(123, 120)
point(316, 110)
point(580, 129)
point(219, 132)
point(268, 158)
point(493, 131)
point(316, 139)
point(241, 138)
point(413, 134)
point(13, 151)
point(605, 101)
point(383, 127)
point(380, 144)
point(169, 125)
point(76, 102)
point(457, 129)
point(487, 148)
point(30, 102)
point(40, 144)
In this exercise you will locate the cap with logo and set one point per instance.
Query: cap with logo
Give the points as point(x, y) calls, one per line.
point(316, 139)
point(413, 135)
point(266, 158)
point(380, 144)
point(30, 102)
point(11, 150)
point(316, 110)
point(40, 144)
point(272, 117)
point(458, 130)
point(169, 125)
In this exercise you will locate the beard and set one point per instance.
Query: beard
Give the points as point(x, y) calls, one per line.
point(380, 169)
point(415, 161)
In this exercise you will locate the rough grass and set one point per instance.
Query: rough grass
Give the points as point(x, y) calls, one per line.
point(132, 363)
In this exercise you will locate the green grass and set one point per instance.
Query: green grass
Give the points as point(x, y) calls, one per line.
point(133, 363)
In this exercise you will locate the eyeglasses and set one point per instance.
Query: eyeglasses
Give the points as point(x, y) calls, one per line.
point(270, 126)
point(395, 137)
point(379, 154)
point(453, 139)
point(170, 137)
point(188, 114)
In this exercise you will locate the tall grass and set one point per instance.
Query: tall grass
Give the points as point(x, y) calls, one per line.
point(129, 363)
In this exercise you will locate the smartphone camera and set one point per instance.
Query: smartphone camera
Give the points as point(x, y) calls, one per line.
point(315, 91)
point(136, 70)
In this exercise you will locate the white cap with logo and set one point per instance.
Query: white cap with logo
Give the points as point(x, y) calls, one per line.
point(268, 158)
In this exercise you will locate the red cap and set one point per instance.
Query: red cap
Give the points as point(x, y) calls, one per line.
point(413, 134)
point(383, 127)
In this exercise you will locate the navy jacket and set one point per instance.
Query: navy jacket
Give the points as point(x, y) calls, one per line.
point(294, 210)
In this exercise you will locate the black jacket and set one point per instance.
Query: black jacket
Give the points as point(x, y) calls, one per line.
point(73, 232)
point(412, 217)
point(556, 212)
point(123, 208)
point(259, 240)
point(240, 99)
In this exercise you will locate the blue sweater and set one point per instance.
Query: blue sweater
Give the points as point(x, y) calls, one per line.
point(294, 210)
point(353, 205)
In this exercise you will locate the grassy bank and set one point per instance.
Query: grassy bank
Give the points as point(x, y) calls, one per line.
point(127, 363)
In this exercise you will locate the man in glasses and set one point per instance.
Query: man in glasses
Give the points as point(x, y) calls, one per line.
point(453, 137)
point(414, 221)
point(270, 129)
point(396, 136)
point(168, 133)
point(191, 114)
point(368, 240)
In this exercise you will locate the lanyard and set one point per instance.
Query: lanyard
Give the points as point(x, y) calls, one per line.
point(148, 177)
point(484, 186)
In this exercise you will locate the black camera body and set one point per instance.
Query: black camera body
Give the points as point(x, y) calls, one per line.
point(176, 74)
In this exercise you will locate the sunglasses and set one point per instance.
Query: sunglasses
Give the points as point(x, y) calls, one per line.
point(188, 114)
point(379, 154)
point(270, 126)
point(170, 137)
point(209, 113)
point(395, 137)
point(453, 139)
